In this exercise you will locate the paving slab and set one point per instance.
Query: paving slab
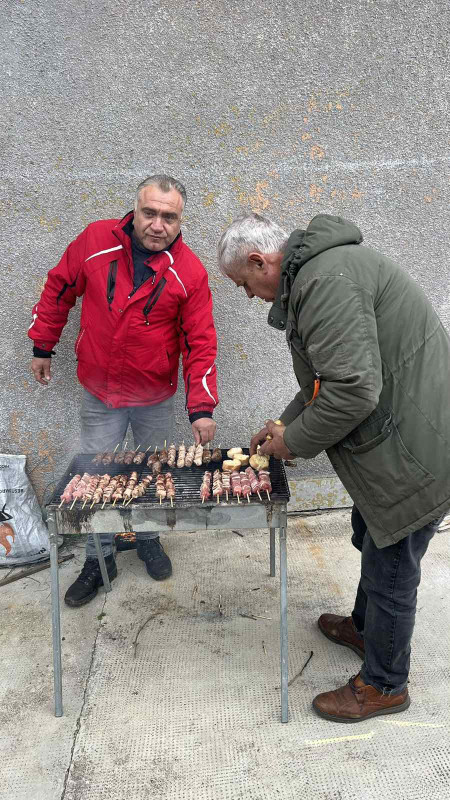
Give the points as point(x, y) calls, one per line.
point(170, 689)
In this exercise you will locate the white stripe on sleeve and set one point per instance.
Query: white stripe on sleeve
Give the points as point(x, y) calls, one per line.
point(205, 385)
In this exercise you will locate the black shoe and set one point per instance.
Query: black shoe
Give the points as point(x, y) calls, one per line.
point(90, 578)
point(157, 562)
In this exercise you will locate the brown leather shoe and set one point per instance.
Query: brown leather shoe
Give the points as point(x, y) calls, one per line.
point(342, 631)
point(357, 701)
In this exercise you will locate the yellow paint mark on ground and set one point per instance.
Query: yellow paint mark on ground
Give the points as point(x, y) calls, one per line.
point(316, 152)
point(223, 129)
point(49, 224)
point(356, 737)
point(209, 199)
point(404, 724)
point(315, 192)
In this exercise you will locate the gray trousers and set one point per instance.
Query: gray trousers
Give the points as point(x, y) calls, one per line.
point(101, 430)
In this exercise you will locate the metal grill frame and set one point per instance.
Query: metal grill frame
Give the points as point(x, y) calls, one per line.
point(145, 514)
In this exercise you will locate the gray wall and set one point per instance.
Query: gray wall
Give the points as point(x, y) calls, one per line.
point(285, 107)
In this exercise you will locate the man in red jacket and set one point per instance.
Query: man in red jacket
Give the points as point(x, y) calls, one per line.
point(146, 299)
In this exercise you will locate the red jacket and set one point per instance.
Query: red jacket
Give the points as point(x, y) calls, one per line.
point(129, 344)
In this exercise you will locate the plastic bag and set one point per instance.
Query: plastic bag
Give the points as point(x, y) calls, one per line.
point(23, 534)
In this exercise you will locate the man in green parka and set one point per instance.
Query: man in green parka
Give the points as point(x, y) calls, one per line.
point(373, 362)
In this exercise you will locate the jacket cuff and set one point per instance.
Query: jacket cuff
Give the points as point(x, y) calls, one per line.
point(198, 415)
point(38, 352)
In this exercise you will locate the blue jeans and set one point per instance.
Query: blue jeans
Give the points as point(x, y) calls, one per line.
point(385, 606)
point(102, 428)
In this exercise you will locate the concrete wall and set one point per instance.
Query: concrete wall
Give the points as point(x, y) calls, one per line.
point(284, 107)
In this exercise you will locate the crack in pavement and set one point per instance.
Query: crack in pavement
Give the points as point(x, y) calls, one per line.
point(83, 704)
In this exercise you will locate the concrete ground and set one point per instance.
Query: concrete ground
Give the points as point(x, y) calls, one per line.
point(191, 709)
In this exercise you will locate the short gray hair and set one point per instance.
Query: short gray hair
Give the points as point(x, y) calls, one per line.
point(247, 233)
point(165, 183)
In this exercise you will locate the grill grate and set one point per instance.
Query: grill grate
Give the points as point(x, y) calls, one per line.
point(187, 482)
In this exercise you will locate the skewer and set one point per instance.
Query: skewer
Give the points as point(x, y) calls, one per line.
point(217, 499)
point(203, 500)
point(248, 498)
point(93, 504)
point(259, 495)
point(160, 499)
point(61, 503)
point(171, 502)
point(227, 496)
point(73, 504)
point(104, 503)
point(83, 504)
point(115, 501)
point(117, 445)
point(137, 448)
point(165, 444)
point(267, 493)
point(238, 499)
point(149, 447)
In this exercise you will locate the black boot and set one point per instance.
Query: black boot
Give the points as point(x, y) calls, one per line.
point(90, 578)
point(157, 562)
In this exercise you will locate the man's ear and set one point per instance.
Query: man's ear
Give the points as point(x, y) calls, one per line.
point(256, 260)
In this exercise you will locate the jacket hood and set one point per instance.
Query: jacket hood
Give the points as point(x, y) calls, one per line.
point(323, 232)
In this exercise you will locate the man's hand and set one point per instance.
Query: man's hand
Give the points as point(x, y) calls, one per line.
point(276, 447)
point(40, 368)
point(204, 430)
point(257, 439)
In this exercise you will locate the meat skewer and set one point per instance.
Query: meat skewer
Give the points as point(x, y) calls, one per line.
point(108, 458)
point(98, 458)
point(216, 454)
point(131, 483)
point(181, 456)
point(67, 494)
point(236, 484)
point(206, 455)
point(153, 457)
point(190, 456)
point(140, 488)
point(80, 489)
point(128, 457)
point(245, 485)
point(164, 456)
point(139, 458)
point(170, 487)
point(198, 457)
point(217, 484)
point(226, 483)
point(102, 484)
point(156, 467)
point(89, 493)
point(160, 489)
point(171, 455)
point(205, 488)
point(119, 457)
point(264, 480)
point(254, 482)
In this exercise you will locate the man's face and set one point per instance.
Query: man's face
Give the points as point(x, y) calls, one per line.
point(157, 218)
point(261, 277)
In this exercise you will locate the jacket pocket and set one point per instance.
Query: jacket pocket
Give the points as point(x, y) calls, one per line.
point(388, 471)
point(78, 341)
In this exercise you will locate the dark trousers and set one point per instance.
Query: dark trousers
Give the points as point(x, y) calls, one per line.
point(385, 606)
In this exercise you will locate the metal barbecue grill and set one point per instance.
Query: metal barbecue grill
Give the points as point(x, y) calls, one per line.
point(188, 513)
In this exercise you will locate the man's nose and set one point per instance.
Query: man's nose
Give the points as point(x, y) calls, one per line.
point(157, 224)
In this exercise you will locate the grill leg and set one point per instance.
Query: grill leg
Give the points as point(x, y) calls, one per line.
point(56, 621)
point(283, 627)
point(101, 561)
point(272, 552)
